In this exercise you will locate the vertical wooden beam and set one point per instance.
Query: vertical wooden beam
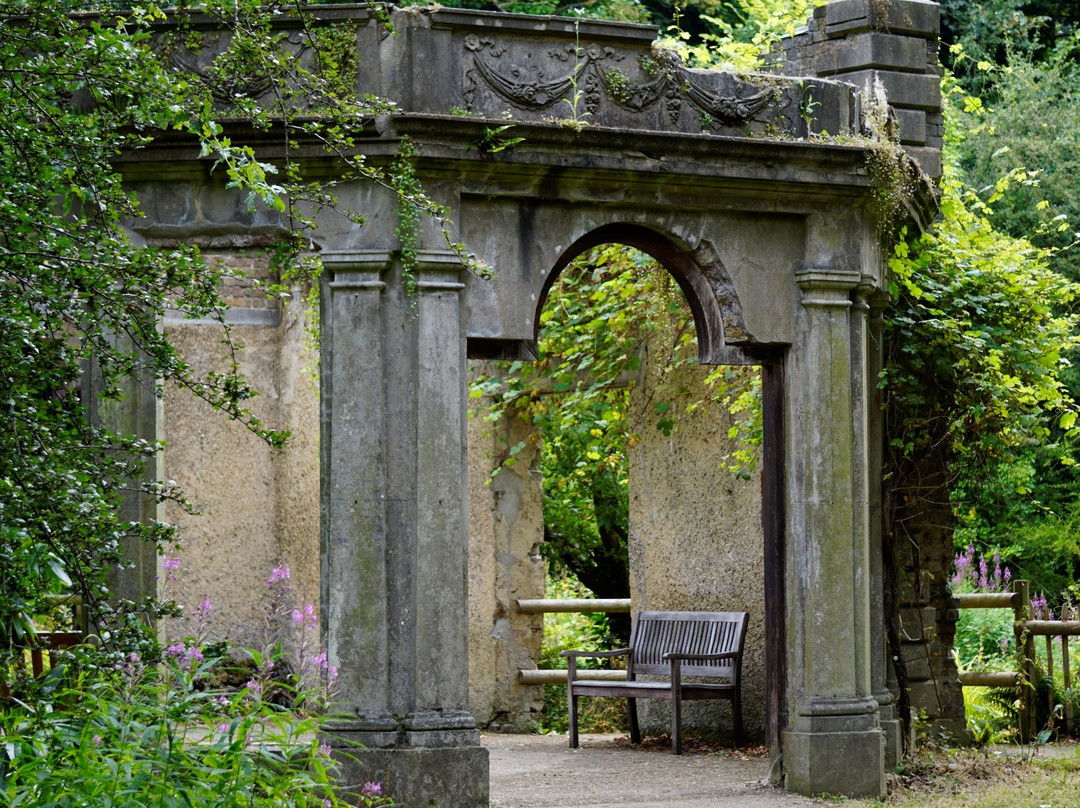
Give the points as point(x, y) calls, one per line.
point(772, 506)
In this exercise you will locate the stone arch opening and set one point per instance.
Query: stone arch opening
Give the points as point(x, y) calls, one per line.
point(676, 258)
point(715, 308)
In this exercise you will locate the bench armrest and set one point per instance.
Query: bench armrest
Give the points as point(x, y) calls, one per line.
point(573, 656)
point(595, 654)
point(702, 657)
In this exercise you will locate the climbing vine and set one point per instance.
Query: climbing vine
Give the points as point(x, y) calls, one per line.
point(402, 173)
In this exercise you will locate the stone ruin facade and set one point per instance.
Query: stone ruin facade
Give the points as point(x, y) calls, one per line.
point(751, 190)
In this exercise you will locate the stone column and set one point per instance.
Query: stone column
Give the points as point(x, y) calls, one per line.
point(833, 742)
point(353, 491)
point(880, 667)
point(394, 498)
point(441, 670)
point(138, 413)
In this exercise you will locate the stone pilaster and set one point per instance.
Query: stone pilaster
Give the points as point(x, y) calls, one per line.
point(137, 413)
point(395, 529)
point(833, 742)
point(880, 667)
point(353, 411)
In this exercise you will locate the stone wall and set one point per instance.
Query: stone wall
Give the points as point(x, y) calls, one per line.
point(257, 506)
point(696, 540)
point(506, 526)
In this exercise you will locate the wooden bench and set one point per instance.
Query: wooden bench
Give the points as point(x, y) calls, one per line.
point(675, 645)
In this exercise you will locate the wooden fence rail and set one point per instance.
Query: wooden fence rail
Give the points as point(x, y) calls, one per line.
point(1025, 630)
point(563, 606)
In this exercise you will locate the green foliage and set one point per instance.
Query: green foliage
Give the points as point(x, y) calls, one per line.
point(402, 173)
point(123, 732)
point(77, 92)
point(990, 29)
point(1026, 121)
point(600, 315)
point(738, 35)
point(977, 340)
point(571, 631)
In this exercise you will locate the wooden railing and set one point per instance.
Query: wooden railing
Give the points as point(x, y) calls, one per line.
point(1025, 630)
point(563, 606)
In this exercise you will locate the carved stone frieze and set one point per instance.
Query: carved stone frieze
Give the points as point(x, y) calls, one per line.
point(578, 79)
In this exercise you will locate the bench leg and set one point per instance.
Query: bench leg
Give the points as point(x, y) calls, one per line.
point(571, 709)
point(736, 716)
point(631, 714)
point(676, 723)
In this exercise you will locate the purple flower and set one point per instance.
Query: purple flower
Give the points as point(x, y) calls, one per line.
point(96, 740)
point(1038, 608)
point(202, 611)
point(279, 574)
point(171, 564)
point(371, 790)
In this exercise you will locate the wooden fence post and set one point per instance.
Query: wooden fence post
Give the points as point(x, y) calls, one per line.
point(1025, 643)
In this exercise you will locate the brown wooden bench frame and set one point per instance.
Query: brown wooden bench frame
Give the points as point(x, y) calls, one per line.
point(675, 645)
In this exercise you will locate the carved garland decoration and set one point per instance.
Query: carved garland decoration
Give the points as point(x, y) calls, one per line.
point(670, 83)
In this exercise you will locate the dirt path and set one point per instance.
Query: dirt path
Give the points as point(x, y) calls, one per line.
point(541, 771)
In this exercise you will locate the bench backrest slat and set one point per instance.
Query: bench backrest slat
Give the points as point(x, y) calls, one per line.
point(657, 633)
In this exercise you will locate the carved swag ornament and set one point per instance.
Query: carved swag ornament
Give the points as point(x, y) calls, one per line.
point(595, 74)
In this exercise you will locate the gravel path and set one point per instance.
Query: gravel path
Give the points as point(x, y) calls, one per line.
point(541, 771)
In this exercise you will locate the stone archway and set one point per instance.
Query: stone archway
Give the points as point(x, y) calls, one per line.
point(717, 311)
point(766, 225)
point(773, 244)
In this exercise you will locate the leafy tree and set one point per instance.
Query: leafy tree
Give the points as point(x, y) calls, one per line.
point(988, 30)
point(1026, 119)
point(76, 91)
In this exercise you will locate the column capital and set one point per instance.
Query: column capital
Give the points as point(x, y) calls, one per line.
point(825, 286)
point(354, 270)
point(438, 271)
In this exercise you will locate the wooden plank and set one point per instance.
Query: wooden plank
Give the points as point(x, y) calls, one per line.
point(1065, 673)
point(1052, 628)
point(985, 600)
point(984, 679)
point(772, 520)
point(558, 677)
point(580, 605)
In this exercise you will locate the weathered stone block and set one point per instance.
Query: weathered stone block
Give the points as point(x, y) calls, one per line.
point(419, 778)
point(871, 50)
point(911, 124)
point(917, 666)
point(845, 17)
point(848, 764)
point(902, 89)
point(917, 624)
point(928, 158)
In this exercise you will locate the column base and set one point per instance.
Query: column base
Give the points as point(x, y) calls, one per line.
point(421, 775)
point(893, 731)
point(850, 764)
